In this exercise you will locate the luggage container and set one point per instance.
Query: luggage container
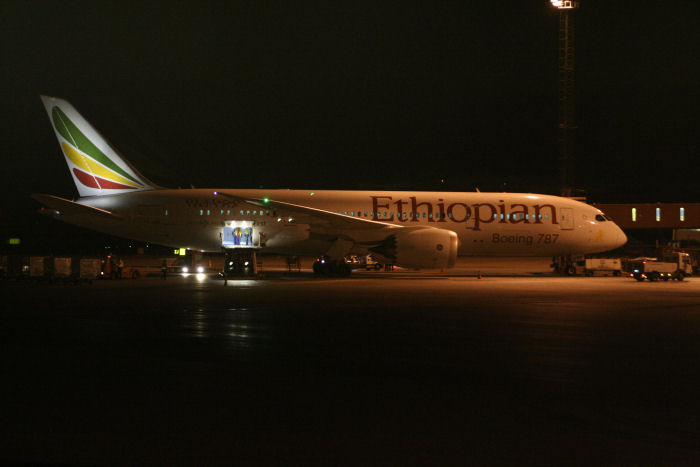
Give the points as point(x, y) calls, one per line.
point(40, 267)
point(90, 269)
point(62, 269)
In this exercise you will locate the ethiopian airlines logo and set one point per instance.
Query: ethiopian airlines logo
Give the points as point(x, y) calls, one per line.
point(92, 167)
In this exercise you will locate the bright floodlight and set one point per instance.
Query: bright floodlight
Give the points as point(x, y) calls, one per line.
point(564, 4)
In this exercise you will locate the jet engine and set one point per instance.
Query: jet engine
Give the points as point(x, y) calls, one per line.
point(419, 248)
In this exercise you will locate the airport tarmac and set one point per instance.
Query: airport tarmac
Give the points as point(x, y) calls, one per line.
point(373, 369)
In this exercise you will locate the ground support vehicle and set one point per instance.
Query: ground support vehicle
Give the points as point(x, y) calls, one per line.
point(600, 266)
point(675, 266)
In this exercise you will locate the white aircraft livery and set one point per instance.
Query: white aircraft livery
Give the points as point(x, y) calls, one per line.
point(420, 230)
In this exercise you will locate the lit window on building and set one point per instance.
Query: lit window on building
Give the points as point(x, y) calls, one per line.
point(634, 214)
point(201, 212)
point(658, 214)
point(682, 214)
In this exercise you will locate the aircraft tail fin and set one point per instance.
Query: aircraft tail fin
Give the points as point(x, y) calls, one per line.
point(97, 168)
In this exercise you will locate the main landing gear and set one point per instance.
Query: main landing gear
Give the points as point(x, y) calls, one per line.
point(329, 267)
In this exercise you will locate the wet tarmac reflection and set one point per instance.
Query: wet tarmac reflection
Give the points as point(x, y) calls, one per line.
point(295, 369)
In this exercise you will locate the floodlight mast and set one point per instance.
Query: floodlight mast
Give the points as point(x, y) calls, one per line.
point(566, 113)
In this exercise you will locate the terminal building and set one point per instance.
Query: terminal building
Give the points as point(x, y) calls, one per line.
point(683, 219)
point(653, 228)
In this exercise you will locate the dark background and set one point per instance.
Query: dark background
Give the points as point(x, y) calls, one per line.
point(404, 95)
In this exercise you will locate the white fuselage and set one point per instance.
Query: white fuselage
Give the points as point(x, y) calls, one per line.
point(487, 224)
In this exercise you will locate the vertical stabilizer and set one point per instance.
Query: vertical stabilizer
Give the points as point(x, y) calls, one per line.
point(97, 169)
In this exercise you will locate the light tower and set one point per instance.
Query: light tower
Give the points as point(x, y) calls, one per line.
point(566, 120)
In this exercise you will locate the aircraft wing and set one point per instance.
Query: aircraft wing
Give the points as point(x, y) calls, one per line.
point(66, 207)
point(316, 218)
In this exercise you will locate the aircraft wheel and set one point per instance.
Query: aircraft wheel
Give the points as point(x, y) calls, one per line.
point(571, 271)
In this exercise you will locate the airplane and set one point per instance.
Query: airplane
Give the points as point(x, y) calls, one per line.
point(417, 230)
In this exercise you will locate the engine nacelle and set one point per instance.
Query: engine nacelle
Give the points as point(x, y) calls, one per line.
point(420, 248)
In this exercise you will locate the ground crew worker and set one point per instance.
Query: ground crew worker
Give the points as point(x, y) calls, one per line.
point(119, 268)
point(164, 270)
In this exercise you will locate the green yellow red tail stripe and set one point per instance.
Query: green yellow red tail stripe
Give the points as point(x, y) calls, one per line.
point(96, 167)
point(77, 139)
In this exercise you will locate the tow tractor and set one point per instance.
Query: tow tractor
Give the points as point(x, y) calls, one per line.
point(675, 266)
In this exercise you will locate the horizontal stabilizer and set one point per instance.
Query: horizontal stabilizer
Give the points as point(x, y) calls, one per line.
point(66, 207)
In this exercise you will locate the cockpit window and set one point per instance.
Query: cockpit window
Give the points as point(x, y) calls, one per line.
point(600, 218)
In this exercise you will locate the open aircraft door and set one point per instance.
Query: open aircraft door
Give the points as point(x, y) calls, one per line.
point(566, 222)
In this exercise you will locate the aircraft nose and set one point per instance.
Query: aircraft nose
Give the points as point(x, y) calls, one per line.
point(620, 238)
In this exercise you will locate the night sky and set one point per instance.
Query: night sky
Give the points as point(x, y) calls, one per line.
point(404, 95)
